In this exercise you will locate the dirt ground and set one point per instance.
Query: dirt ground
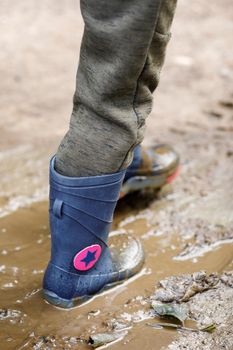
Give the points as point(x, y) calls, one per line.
point(185, 228)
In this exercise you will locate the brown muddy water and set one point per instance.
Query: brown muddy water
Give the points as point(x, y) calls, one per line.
point(28, 322)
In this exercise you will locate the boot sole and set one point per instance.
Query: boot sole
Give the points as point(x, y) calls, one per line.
point(59, 302)
point(139, 183)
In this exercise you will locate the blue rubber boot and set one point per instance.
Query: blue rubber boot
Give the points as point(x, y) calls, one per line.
point(82, 261)
point(151, 168)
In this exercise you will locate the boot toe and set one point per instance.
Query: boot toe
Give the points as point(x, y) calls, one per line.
point(127, 256)
point(166, 159)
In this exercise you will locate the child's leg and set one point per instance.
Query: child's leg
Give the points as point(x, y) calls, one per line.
point(120, 60)
point(106, 124)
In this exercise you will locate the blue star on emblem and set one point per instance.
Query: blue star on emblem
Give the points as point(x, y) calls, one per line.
point(89, 257)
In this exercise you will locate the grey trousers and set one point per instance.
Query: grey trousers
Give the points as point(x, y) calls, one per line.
point(121, 56)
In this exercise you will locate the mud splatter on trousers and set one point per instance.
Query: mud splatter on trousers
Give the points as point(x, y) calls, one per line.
point(122, 53)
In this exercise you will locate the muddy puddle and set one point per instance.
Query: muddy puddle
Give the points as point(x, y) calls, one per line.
point(27, 322)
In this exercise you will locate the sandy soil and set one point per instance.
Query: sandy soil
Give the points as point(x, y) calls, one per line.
point(191, 222)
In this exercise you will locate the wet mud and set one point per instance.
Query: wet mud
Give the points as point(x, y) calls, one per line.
point(185, 228)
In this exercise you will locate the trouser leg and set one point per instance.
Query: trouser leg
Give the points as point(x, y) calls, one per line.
point(150, 75)
point(120, 59)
